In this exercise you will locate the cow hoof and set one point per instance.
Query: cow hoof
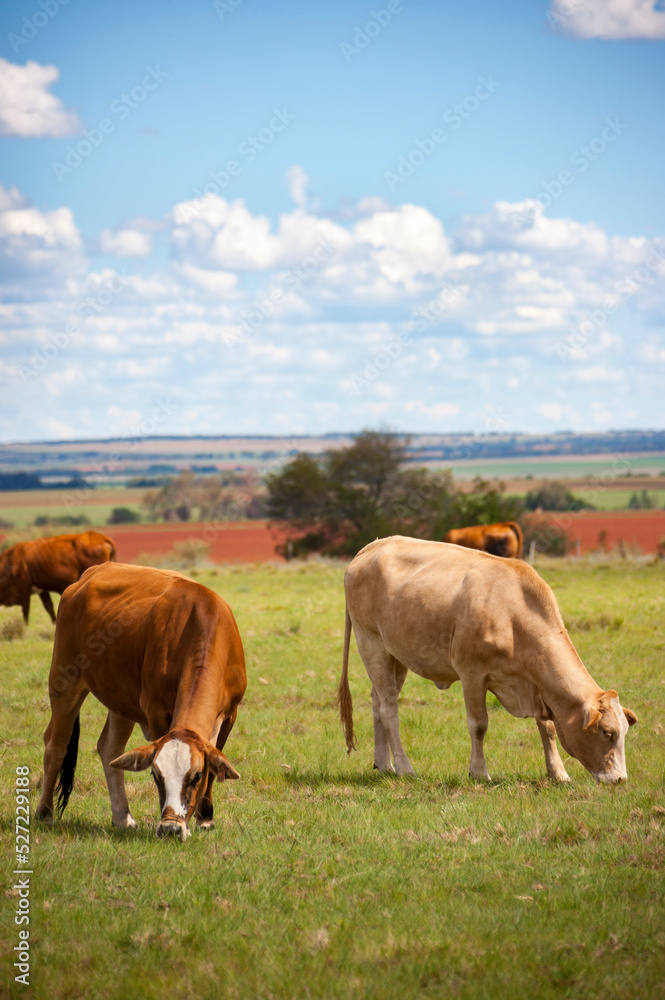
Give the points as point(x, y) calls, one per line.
point(45, 816)
point(206, 824)
point(125, 823)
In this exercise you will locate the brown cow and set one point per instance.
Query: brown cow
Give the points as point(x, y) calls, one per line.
point(47, 564)
point(450, 614)
point(158, 649)
point(503, 539)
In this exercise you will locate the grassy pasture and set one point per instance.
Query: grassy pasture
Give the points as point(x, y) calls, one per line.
point(324, 878)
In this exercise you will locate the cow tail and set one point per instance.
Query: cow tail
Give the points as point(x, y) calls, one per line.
point(344, 692)
point(66, 773)
point(520, 539)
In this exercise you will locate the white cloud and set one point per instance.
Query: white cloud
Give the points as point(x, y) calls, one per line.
point(608, 19)
point(125, 243)
point(27, 109)
point(551, 411)
point(298, 182)
point(436, 410)
point(36, 248)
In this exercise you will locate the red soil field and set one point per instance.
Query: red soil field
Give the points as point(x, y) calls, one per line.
point(636, 529)
point(232, 542)
point(254, 541)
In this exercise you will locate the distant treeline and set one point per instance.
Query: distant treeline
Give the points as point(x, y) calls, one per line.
point(31, 481)
point(457, 447)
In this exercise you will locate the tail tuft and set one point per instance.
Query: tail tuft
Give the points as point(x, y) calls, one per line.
point(66, 773)
point(344, 699)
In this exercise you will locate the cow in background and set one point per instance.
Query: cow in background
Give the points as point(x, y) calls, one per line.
point(157, 649)
point(503, 539)
point(49, 564)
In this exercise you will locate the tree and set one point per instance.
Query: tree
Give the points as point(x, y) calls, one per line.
point(554, 496)
point(339, 502)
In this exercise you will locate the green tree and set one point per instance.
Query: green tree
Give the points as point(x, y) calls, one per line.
point(554, 496)
point(339, 502)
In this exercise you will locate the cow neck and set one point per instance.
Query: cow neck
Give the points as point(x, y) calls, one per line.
point(561, 675)
point(196, 706)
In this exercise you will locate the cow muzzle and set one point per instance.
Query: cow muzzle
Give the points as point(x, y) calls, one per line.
point(170, 824)
point(611, 777)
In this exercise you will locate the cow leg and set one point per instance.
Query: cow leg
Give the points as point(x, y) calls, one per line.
point(476, 720)
point(204, 810)
point(555, 768)
point(382, 760)
point(56, 739)
point(110, 745)
point(387, 677)
point(45, 598)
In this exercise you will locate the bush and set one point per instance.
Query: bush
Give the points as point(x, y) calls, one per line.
point(554, 496)
point(550, 538)
point(124, 515)
point(66, 521)
point(12, 629)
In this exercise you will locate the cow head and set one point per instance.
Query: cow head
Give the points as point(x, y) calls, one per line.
point(14, 577)
point(181, 764)
point(596, 736)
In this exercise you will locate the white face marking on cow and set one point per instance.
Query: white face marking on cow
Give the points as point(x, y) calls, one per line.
point(174, 761)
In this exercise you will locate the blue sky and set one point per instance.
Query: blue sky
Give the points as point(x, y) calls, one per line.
point(433, 216)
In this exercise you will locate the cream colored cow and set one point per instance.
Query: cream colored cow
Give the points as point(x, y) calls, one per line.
point(450, 613)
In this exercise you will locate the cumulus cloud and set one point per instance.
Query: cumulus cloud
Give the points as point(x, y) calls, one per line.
point(27, 108)
point(125, 243)
point(323, 306)
point(298, 182)
point(37, 248)
point(608, 19)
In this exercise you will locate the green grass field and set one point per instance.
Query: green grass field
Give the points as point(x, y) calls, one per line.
point(324, 878)
point(575, 466)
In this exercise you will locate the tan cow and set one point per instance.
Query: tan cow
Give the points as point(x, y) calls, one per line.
point(47, 564)
point(450, 614)
point(503, 539)
point(159, 650)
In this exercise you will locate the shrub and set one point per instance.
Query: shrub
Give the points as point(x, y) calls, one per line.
point(124, 515)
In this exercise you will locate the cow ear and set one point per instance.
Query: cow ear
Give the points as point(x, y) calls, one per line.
point(136, 760)
point(220, 765)
point(591, 716)
point(632, 718)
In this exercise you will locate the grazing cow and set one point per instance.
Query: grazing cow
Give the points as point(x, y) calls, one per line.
point(449, 614)
point(498, 539)
point(158, 649)
point(49, 564)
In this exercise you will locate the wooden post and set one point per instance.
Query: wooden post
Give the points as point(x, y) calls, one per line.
point(532, 550)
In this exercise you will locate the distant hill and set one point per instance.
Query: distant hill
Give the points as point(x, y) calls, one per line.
point(56, 463)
